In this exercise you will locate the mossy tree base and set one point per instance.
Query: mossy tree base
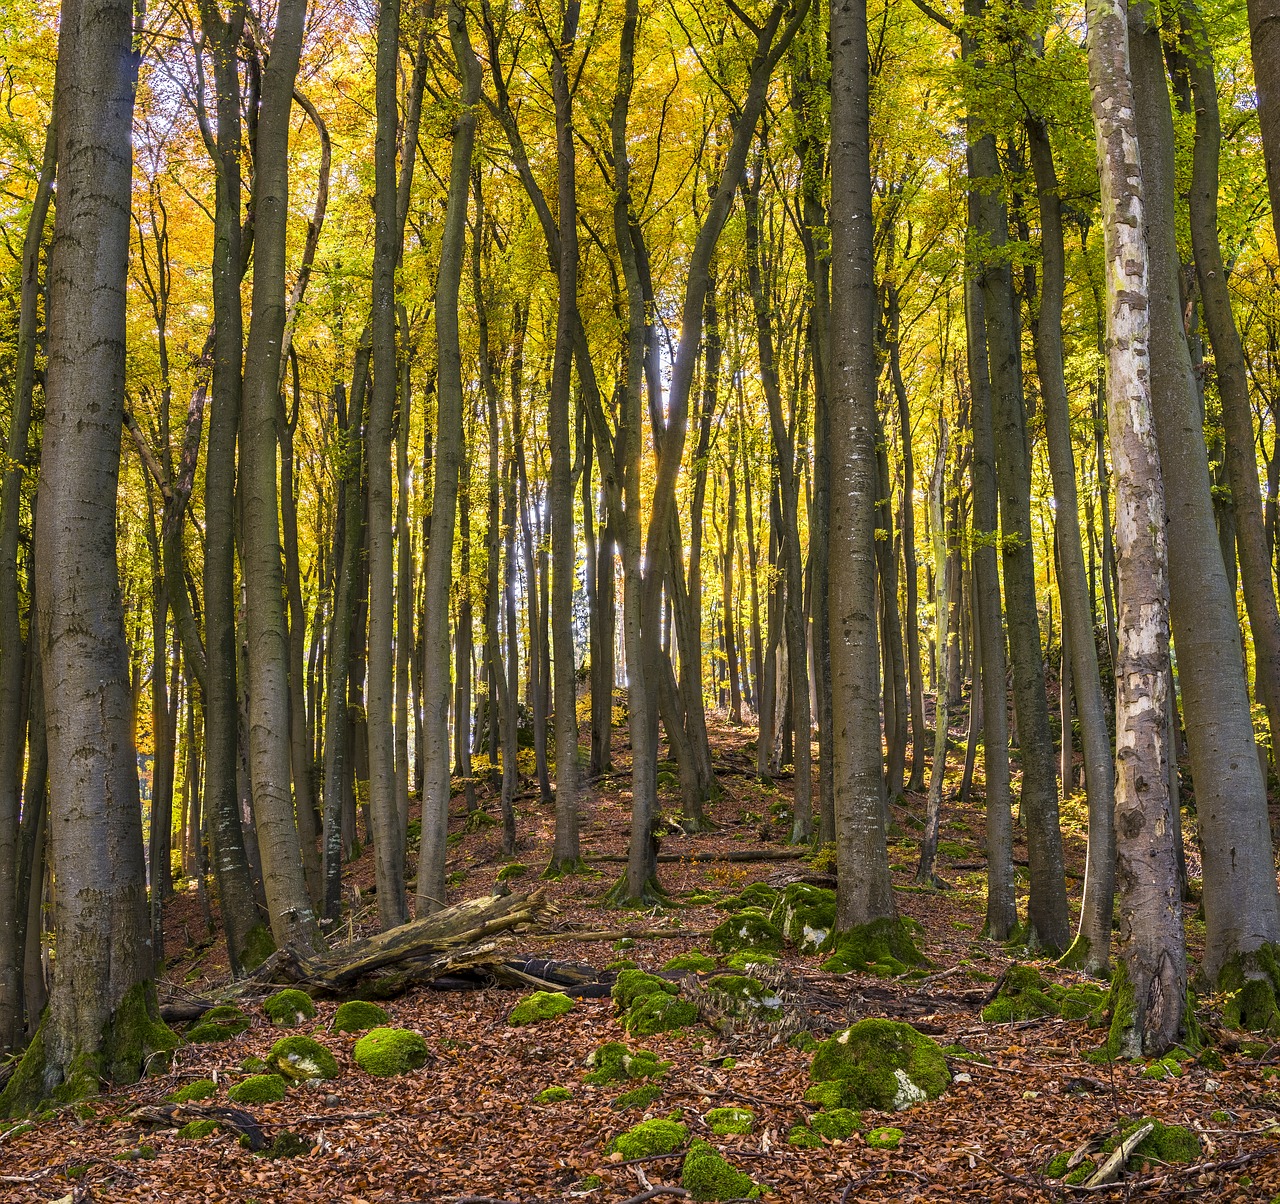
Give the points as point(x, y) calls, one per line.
point(653, 895)
point(885, 946)
point(564, 869)
point(1251, 982)
point(1081, 957)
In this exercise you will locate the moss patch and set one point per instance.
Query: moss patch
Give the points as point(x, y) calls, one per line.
point(750, 928)
point(636, 984)
point(837, 1125)
point(650, 1137)
point(884, 1138)
point(389, 1051)
point(747, 960)
point(553, 1095)
point(1251, 983)
point(726, 1121)
point(260, 1089)
point(881, 1064)
point(200, 1089)
point(694, 962)
point(289, 1008)
point(1026, 995)
point(884, 947)
point(705, 1175)
point(197, 1129)
point(1165, 1143)
point(758, 894)
point(541, 1005)
point(745, 997)
point(638, 1097)
point(613, 1062)
point(659, 1013)
point(299, 1058)
point(806, 915)
point(358, 1016)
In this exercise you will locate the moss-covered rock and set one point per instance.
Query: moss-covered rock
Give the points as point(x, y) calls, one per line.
point(806, 915)
point(1163, 1068)
point(200, 1089)
point(748, 961)
point(805, 1041)
point(659, 1013)
point(706, 1175)
point(541, 1005)
point(196, 1129)
point(613, 1062)
point(297, 1059)
point(636, 984)
point(515, 870)
point(390, 1051)
point(758, 894)
point(804, 1138)
point(553, 1095)
point(218, 1024)
point(884, 1138)
point(726, 1121)
point(745, 997)
point(289, 1008)
point(692, 962)
point(881, 1064)
point(638, 1097)
point(1022, 996)
point(358, 1016)
point(825, 1095)
point(288, 1145)
point(836, 1125)
point(749, 928)
point(884, 947)
point(1165, 1143)
point(253, 1065)
point(650, 1137)
point(260, 1089)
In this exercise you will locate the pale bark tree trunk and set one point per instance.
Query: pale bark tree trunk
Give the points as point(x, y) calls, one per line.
point(293, 919)
point(926, 870)
point(430, 889)
point(1264, 38)
point(1242, 913)
point(1151, 941)
point(865, 888)
point(105, 957)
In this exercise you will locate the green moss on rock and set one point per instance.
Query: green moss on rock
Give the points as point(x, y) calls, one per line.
point(804, 1138)
point(825, 1095)
point(553, 1095)
point(253, 1065)
point(706, 1175)
point(745, 961)
point(358, 1016)
point(289, 1008)
point(750, 928)
point(260, 1089)
point(694, 962)
point(541, 1005)
point(390, 1051)
point(836, 1125)
point(287, 1145)
point(1165, 1143)
point(746, 997)
point(650, 1137)
point(197, 1129)
point(885, 946)
point(613, 1062)
point(300, 1058)
point(884, 1138)
point(659, 1013)
point(636, 984)
point(806, 915)
point(200, 1089)
point(1022, 996)
point(727, 1121)
point(881, 1064)
point(638, 1097)
point(758, 894)
point(515, 870)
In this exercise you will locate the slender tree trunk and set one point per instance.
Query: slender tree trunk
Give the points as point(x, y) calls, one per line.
point(1242, 914)
point(430, 891)
point(864, 890)
point(1264, 38)
point(1151, 941)
point(926, 871)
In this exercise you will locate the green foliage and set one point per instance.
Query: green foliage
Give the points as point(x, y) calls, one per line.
point(260, 1089)
point(358, 1016)
point(541, 1005)
point(200, 1089)
point(390, 1051)
point(299, 1058)
point(613, 1062)
point(727, 1121)
point(885, 946)
point(706, 1175)
point(881, 1064)
point(650, 1137)
point(289, 1008)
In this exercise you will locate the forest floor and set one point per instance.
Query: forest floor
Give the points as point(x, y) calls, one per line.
point(467, 1124)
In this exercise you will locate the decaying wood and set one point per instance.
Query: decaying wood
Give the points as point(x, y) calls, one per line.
point(470, 936)
point(174, 1116)
point(1112, 1167)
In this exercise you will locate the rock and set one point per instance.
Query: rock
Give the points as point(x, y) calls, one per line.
point(650, 1137)
point(358, 1016)
point(613, 1062)
point(706, 1175)
point(541, 1005)
point(300, 1058)
point(726, 1121)
point(259, 1089)
point(390, 1051)
point(881, 1064)
point(806, 915)
point(750, 928)
point(289, 1008)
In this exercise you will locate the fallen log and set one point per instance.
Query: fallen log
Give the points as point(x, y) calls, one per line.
point(470, 936)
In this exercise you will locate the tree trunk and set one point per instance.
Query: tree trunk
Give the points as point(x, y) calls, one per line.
point(926, 871)
point(430, 890)
point(1151, 942)
point(865, 889)
point(1241, 910)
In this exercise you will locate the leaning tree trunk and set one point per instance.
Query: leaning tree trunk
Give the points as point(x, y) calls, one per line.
point(1151, 941)
point(1264, 38)
point(430, 890)
point(1242, 914)
point(99, 1020)
point(865, 887)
